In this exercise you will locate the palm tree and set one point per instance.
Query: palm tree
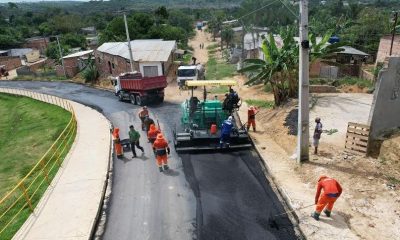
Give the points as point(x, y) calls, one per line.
point(227, 35)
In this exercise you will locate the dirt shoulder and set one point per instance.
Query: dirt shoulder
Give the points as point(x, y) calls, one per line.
point(369, 207)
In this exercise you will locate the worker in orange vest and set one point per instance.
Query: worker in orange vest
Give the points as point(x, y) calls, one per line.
point(117, 143)
point(331, 192)
point(152, 133)
point(161, 149)
point(251, 118)
point(142, 115)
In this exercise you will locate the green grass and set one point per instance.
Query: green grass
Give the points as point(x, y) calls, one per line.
point(362, 83)
point(27, 129)
point(212, 46)
point(260, 103)
point(40, 78)
point(217, 70)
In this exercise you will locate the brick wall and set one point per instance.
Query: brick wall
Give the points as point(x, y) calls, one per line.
point(10, 62)
point(110, 65)
point(39, 44)
point(71, 66)
point(384, 48)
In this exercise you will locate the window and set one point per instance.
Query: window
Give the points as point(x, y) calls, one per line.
point(113, 66)
point(150, 71)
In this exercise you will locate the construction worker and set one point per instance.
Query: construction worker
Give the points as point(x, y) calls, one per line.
point(331, 192)
point(251, 118)
point(147, 122)
point(117, 143)
point(152, 133)
point(161, 149)
point(317, 134)
point(134, 137)
point(142, 115)
point(226, 130)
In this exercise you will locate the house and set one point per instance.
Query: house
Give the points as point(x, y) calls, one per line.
point(151, 57)
point(74, 63)
point(350, 55)
point(25, 54)
point(384, 48)
point(92, 39)
point(38, 43)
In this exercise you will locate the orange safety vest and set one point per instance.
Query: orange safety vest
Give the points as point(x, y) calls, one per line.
point(251, 114)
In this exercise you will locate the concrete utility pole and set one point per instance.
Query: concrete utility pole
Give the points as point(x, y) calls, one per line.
point(393, 32)
point(129, 42)
point(303, 120)
point(62, 59)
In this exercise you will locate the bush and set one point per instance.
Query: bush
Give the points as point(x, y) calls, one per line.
point(260, 103)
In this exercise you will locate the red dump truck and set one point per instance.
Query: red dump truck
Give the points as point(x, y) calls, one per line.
point(139, 90)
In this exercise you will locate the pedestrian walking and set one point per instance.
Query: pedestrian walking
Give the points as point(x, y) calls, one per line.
point(119, 151)
point(331, 192)
point(152, 133)
point(143, 114)
point(134, 137)
point(161, 150)
point(317, 134)
point(251, 118)
point(226, 130)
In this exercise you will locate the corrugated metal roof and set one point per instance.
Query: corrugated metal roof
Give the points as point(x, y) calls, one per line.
point(352, 51)
point(78, 54)
point(149, 50)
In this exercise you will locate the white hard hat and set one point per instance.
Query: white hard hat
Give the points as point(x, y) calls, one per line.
point(230, 118)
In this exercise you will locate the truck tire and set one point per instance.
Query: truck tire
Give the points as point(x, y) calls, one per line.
point(140, 101)
point(132, 99)
point(120, 98)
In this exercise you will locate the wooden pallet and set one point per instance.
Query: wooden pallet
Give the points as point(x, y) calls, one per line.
point(357, 138)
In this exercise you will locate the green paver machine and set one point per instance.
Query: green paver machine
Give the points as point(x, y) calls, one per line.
point(201, 121)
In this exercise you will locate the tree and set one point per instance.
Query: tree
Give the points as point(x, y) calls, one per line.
point(278, 69)
point(74, 40)
point(53, 52)
point(161, 15)
point(227, 35)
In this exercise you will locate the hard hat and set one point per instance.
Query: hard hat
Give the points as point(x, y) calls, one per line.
point(116, 130)
point(322, 177)
point(251, 107)
point(152, 127)
point(230, 118)
point(160, 136)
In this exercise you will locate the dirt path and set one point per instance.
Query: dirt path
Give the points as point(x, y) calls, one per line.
point(200, 54)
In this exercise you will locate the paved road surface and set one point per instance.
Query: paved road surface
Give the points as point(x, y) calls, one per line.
point(231, 199)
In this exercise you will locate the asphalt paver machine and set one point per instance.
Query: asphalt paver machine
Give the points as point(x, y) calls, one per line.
point(201, 121)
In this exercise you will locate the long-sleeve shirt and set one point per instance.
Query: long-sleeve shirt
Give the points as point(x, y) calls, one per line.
point(330, 187)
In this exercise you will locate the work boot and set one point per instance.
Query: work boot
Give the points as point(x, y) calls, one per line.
point(166, 167)
point(315, 215)
point(327, 212)
point(161, 169)
point(134, 156)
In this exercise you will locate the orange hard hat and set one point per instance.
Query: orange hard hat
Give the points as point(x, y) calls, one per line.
point(116, 130)
point(160, 136)
point(322, 177)
point(152, 127)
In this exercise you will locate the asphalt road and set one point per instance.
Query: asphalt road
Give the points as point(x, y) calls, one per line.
point(203, 196)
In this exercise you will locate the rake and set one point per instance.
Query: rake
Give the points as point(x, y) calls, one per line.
point(272, 222)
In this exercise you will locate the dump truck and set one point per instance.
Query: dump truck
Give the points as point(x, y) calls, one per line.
point(198, 118)
point(190, 73)
point(139, 90)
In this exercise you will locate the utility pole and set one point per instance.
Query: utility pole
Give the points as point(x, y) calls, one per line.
point(303, 118)
point(393, 32)
point(62, 59)
point(129, 42)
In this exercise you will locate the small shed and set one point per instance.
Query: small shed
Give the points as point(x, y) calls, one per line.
point(350, 55)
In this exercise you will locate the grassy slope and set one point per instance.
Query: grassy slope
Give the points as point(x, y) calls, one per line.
point(27, 129)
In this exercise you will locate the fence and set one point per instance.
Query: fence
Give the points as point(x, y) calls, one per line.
point(20, 202)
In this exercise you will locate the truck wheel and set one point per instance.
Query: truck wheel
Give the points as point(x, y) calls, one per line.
point(139, 101)
point(120, 98)
point(132, 99)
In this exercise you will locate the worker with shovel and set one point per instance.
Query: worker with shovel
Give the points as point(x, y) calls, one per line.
point(117, 143)
point(161, 150)
point(331, 192)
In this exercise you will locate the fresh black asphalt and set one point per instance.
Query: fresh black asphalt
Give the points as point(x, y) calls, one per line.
point(205, 196)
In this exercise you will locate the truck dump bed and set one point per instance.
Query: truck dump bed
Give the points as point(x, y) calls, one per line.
point(131, 82)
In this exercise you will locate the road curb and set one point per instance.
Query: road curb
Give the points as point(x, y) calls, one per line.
point(281, 192)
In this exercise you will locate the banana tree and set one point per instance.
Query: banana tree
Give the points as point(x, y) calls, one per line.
point(278, 68)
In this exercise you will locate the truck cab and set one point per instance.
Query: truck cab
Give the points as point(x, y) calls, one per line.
point(189, 73)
